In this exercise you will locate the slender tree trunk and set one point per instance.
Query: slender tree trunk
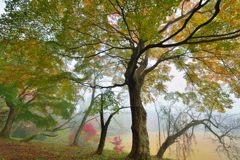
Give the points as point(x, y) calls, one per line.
point(102, 140)
point(104, 128)
point(6, 131)
point(159, 127)
point(140, 141)
point(167, 143)
point(79, 130)
point(171, 139)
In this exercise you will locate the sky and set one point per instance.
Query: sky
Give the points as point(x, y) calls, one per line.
point(2, 5)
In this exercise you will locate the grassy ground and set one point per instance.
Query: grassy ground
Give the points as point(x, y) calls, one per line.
point(203, 147)
point(57, 149)
point(14, 150)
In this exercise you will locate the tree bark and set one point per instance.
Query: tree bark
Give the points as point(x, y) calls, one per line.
point(140, 141)
point(104, 127)
point(134, 77)
point(167, 143)
point(172, 138)
point(102, 140)
point(79, 130)
point(6, 131)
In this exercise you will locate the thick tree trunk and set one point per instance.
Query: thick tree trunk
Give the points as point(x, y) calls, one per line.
point(9, 123)
point(102, 140)
point(140, 141)
point(134, 77)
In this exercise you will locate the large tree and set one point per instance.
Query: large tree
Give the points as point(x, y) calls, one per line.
point(32, 85)
point(143, 39)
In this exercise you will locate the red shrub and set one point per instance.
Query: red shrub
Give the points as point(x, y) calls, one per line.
point(117, 141)
point(88, 128)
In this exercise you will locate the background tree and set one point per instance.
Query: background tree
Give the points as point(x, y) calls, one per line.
point(179, 125)
point(51, 131)
point(106, 102)
point(93, 77)
point(32, 84)
point(84, 119)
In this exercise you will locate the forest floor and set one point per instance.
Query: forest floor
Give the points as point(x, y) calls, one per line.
point(15, 150)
